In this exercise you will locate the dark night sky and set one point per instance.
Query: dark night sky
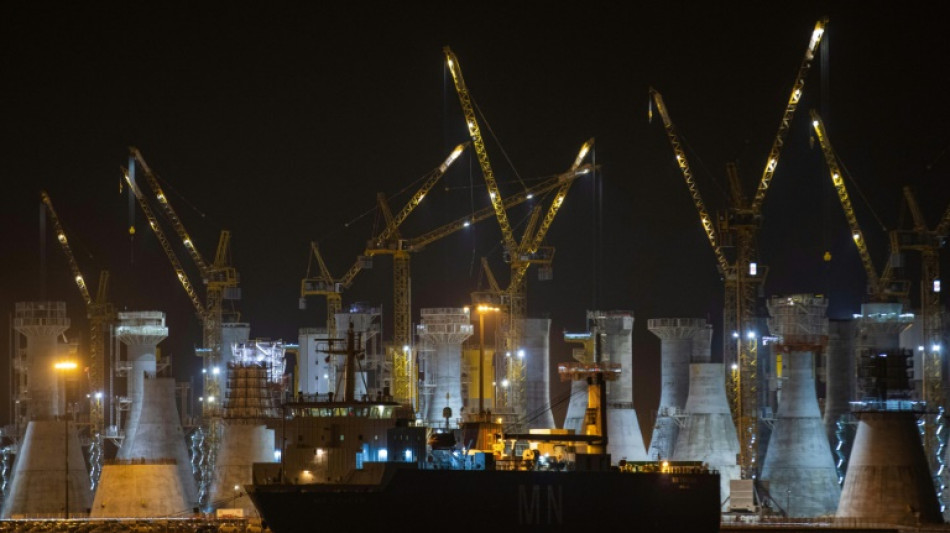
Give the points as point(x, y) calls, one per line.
point(281, 121)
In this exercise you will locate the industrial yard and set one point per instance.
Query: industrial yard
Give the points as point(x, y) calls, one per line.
point(762, 301)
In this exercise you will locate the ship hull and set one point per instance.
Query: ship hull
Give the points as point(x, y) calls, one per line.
point(471, 500)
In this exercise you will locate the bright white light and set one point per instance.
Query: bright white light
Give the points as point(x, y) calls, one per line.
point(504, 383)
point(735, 334)
point(466, 224)
point(936, 285)
point(98, 395)
point(408, 455)
point(383, 455)
point(753, 268)
point(210, 399)
point(405, 348)
point(530, 196)
point(856, 236)
point(735, 366)
point(521, 354)
point(921, 348)
point(276, 455)
point(935, 348)
point(750, 335)
point(326, 376)
point(507, 354)
point(215, 371)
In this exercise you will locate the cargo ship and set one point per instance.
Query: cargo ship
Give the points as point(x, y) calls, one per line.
point(364, 465)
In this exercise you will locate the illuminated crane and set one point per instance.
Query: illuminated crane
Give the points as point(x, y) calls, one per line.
point(101, 315)
point(743, 276)
point(221, 283)
point(388, 242)
point(520, 254)
point(883, 287)
point(928, 242)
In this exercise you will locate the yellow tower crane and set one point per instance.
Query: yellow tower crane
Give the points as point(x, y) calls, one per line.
point(883, 287)
point(387, 242)
point(520, 254)
point(101, 315)
point(743, 277)
point(928, 242)
point(221, 283)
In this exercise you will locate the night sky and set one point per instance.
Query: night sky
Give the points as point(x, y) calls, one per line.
point(281, 123)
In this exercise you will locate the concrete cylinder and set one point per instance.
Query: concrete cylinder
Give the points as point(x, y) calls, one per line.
point(616, 329)
point(44, 478)
point(242, 445)
point(888, 477)
point(444, 330)
point(42, 323)
point(840, 376)
point(708, 433)
point(537, 340)
point(676, 348)
point(799, 465)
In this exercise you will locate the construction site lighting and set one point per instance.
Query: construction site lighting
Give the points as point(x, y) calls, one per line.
point(66, 365)
point(521, 354)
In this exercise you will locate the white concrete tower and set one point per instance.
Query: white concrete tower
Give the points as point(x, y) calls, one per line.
point(42, 323)
point(153, 432)
point(799, 465)
point(537, 341)
point(444, 330)
point(140, 331)
point(707, 432)
point(888, 479)
point(625, 440)
point(676, 347)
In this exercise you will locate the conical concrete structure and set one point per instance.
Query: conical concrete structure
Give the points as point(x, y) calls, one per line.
point(140, 489)
point(888, 479)
point(676, 349)
point(242, 445)
point(707, 432)
point(154, 434)
point(49, 476)
point(537, 347)
point(625, 440)
point(49, 472)
point(799, 465)
point(442, 331)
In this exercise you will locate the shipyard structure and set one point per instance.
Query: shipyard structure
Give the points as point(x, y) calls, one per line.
point(847, 439)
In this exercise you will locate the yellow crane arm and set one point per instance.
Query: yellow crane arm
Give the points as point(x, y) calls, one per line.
point(170, 213)
point(475, 133)
point(490, 276)
point(838, 180)
point(532, 241)
point(683, 163)
point(427, 185)
point(153, 223)
point(64, 243)
point(535, 242)
point(797, 87)
point(461, 223)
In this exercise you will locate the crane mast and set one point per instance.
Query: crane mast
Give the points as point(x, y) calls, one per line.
point(927, 243)
point(743, 277)
point(100, 313)
point(387, 242)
